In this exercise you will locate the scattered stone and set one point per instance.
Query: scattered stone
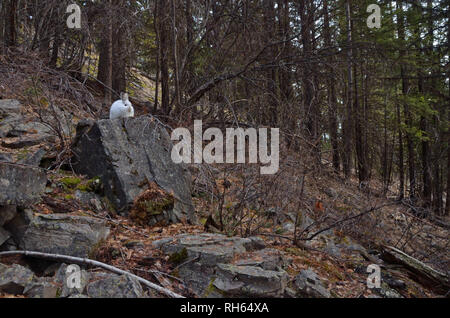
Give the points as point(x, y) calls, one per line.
point(58, 234)
point(20, 185)
point(308, 284)
point(128, 154)
point(114, 286)
point(43, 288)
point(249, 281)
point(14, 279)
point(90, 199)
point(332, 249)
point(332, 193)
point(35, 158)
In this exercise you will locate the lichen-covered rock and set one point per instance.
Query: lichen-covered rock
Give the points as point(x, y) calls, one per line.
point(115, 286)
point(14, 279)
point(20, 185)
point(58, 234)
point(308, 284)
point(249, 281)
point(127, 154)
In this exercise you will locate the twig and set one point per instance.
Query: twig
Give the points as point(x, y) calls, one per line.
point(86, 261)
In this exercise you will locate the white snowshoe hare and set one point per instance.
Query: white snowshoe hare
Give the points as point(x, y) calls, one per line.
point(121, 108)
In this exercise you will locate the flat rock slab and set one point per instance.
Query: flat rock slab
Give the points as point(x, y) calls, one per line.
point(249, 281)
point(127, 154)
point(58, 234)
point(20, 185)
point(209, 248)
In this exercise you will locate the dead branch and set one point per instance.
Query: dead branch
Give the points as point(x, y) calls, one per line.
point(86, 261)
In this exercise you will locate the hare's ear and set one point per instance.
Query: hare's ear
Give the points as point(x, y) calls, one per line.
point(124, 97)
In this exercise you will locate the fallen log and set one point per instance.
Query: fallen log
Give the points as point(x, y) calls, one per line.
point(86, 261)
point(437, 281)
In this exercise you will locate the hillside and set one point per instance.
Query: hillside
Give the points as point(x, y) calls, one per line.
point(305, 231)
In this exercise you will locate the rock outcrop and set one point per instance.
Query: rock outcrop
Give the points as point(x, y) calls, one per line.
point(129, 154)
point(19, 280)
point(57, 233)
point(20, 185)
point(214, 265)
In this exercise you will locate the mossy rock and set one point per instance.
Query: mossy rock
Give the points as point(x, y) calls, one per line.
point(150, 205)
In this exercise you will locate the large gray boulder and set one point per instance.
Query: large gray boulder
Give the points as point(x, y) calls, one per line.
point(127, 154)
point(58, 234)
point(20, 185)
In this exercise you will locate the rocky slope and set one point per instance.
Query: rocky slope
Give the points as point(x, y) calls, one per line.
point(79, 207)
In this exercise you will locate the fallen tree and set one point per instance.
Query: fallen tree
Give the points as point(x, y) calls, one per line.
point(422, 273)
point(86, 261)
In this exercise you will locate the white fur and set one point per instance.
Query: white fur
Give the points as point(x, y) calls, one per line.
point(121, 108)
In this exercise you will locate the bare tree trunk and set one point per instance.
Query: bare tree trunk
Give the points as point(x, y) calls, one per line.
point(176, 70)
point(348, 124)
point(109, 66)
point(164, 43)
point(401, 191)
point(10, 24)
point(331, 92)
point(158, 54)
